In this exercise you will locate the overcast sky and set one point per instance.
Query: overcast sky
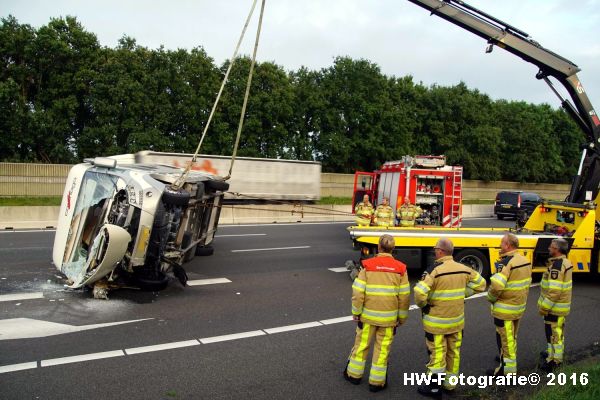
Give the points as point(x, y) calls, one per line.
point(397, 35)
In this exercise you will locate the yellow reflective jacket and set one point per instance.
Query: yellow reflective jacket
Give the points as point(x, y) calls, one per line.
point(509, 286)
point(381, 292)
point(364, 212)
point(441, 295)
point(557, 286)
point(407, 214)
point(384, 215)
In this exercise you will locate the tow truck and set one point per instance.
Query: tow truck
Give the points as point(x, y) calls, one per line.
point(576, 219)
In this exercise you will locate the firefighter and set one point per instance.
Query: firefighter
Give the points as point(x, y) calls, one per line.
point(384, 214)
point(508, 291)
point(364, 212)
point(440, 294)
point(407, 213)
point(554, 303)
point(380, 299)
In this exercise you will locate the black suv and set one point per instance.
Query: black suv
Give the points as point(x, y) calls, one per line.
point(514, 204)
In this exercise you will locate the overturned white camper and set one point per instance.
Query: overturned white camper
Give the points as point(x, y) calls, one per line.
point(122, 223)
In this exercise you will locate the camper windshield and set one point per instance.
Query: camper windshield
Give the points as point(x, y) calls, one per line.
point(97, 191)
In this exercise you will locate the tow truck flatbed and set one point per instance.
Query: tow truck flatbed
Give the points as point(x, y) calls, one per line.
point(480, 247)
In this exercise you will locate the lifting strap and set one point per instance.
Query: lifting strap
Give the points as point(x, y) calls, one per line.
point(247, 94)
point(179, 183)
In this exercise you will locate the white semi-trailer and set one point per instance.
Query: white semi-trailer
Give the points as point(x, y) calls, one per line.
point(252, 178)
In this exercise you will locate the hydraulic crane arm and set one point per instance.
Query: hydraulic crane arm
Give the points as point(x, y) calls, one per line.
point(517, 42)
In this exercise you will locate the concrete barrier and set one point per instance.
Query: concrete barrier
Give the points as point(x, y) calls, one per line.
point(28, 217)
point(478, 210)
point(39, 217)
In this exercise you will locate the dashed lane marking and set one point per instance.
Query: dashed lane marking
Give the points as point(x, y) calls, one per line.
point(21, 296)
point(18, 367)
point(83, 357)
point(174, 345)
point(336, 320)
point(159, 347)
point(288, 328)
point(339, 269)
point(235, 336)
point(213, 281)
point(271, 249)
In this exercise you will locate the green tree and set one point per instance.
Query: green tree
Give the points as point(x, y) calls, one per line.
point(64, 55)
point(403, 119)
point(532, 153)
point(268, 113)
point(569, 139)
point(352, 135)
point(308, 101)
point(458, 125)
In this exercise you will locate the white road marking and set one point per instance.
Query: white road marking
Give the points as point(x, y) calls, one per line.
point(476, 296)
point(24, 328)
point(234, 336)
point(159, 347)
point(80, 358)
point(246, 234)
point(21, 296)
point(18, 367)
point(339, 269)
point(271, 249)
point(200, 282)
point(288, 328)
point(173, 345)
point(336, 320)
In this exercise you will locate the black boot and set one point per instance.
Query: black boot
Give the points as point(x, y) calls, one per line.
point(549, 366)
point(431, 390)
point(352, 380)
point(378, 388)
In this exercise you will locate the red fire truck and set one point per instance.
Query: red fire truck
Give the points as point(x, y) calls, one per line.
point(426, 180)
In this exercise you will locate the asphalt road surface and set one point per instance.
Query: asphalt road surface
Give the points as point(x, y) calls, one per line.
point(268, 317)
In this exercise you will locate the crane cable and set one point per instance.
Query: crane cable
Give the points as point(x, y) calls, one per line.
point(179, 182)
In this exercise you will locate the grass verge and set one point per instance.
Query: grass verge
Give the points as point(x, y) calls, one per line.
point(30, 201)
point(335, 200)
point(579, 381)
